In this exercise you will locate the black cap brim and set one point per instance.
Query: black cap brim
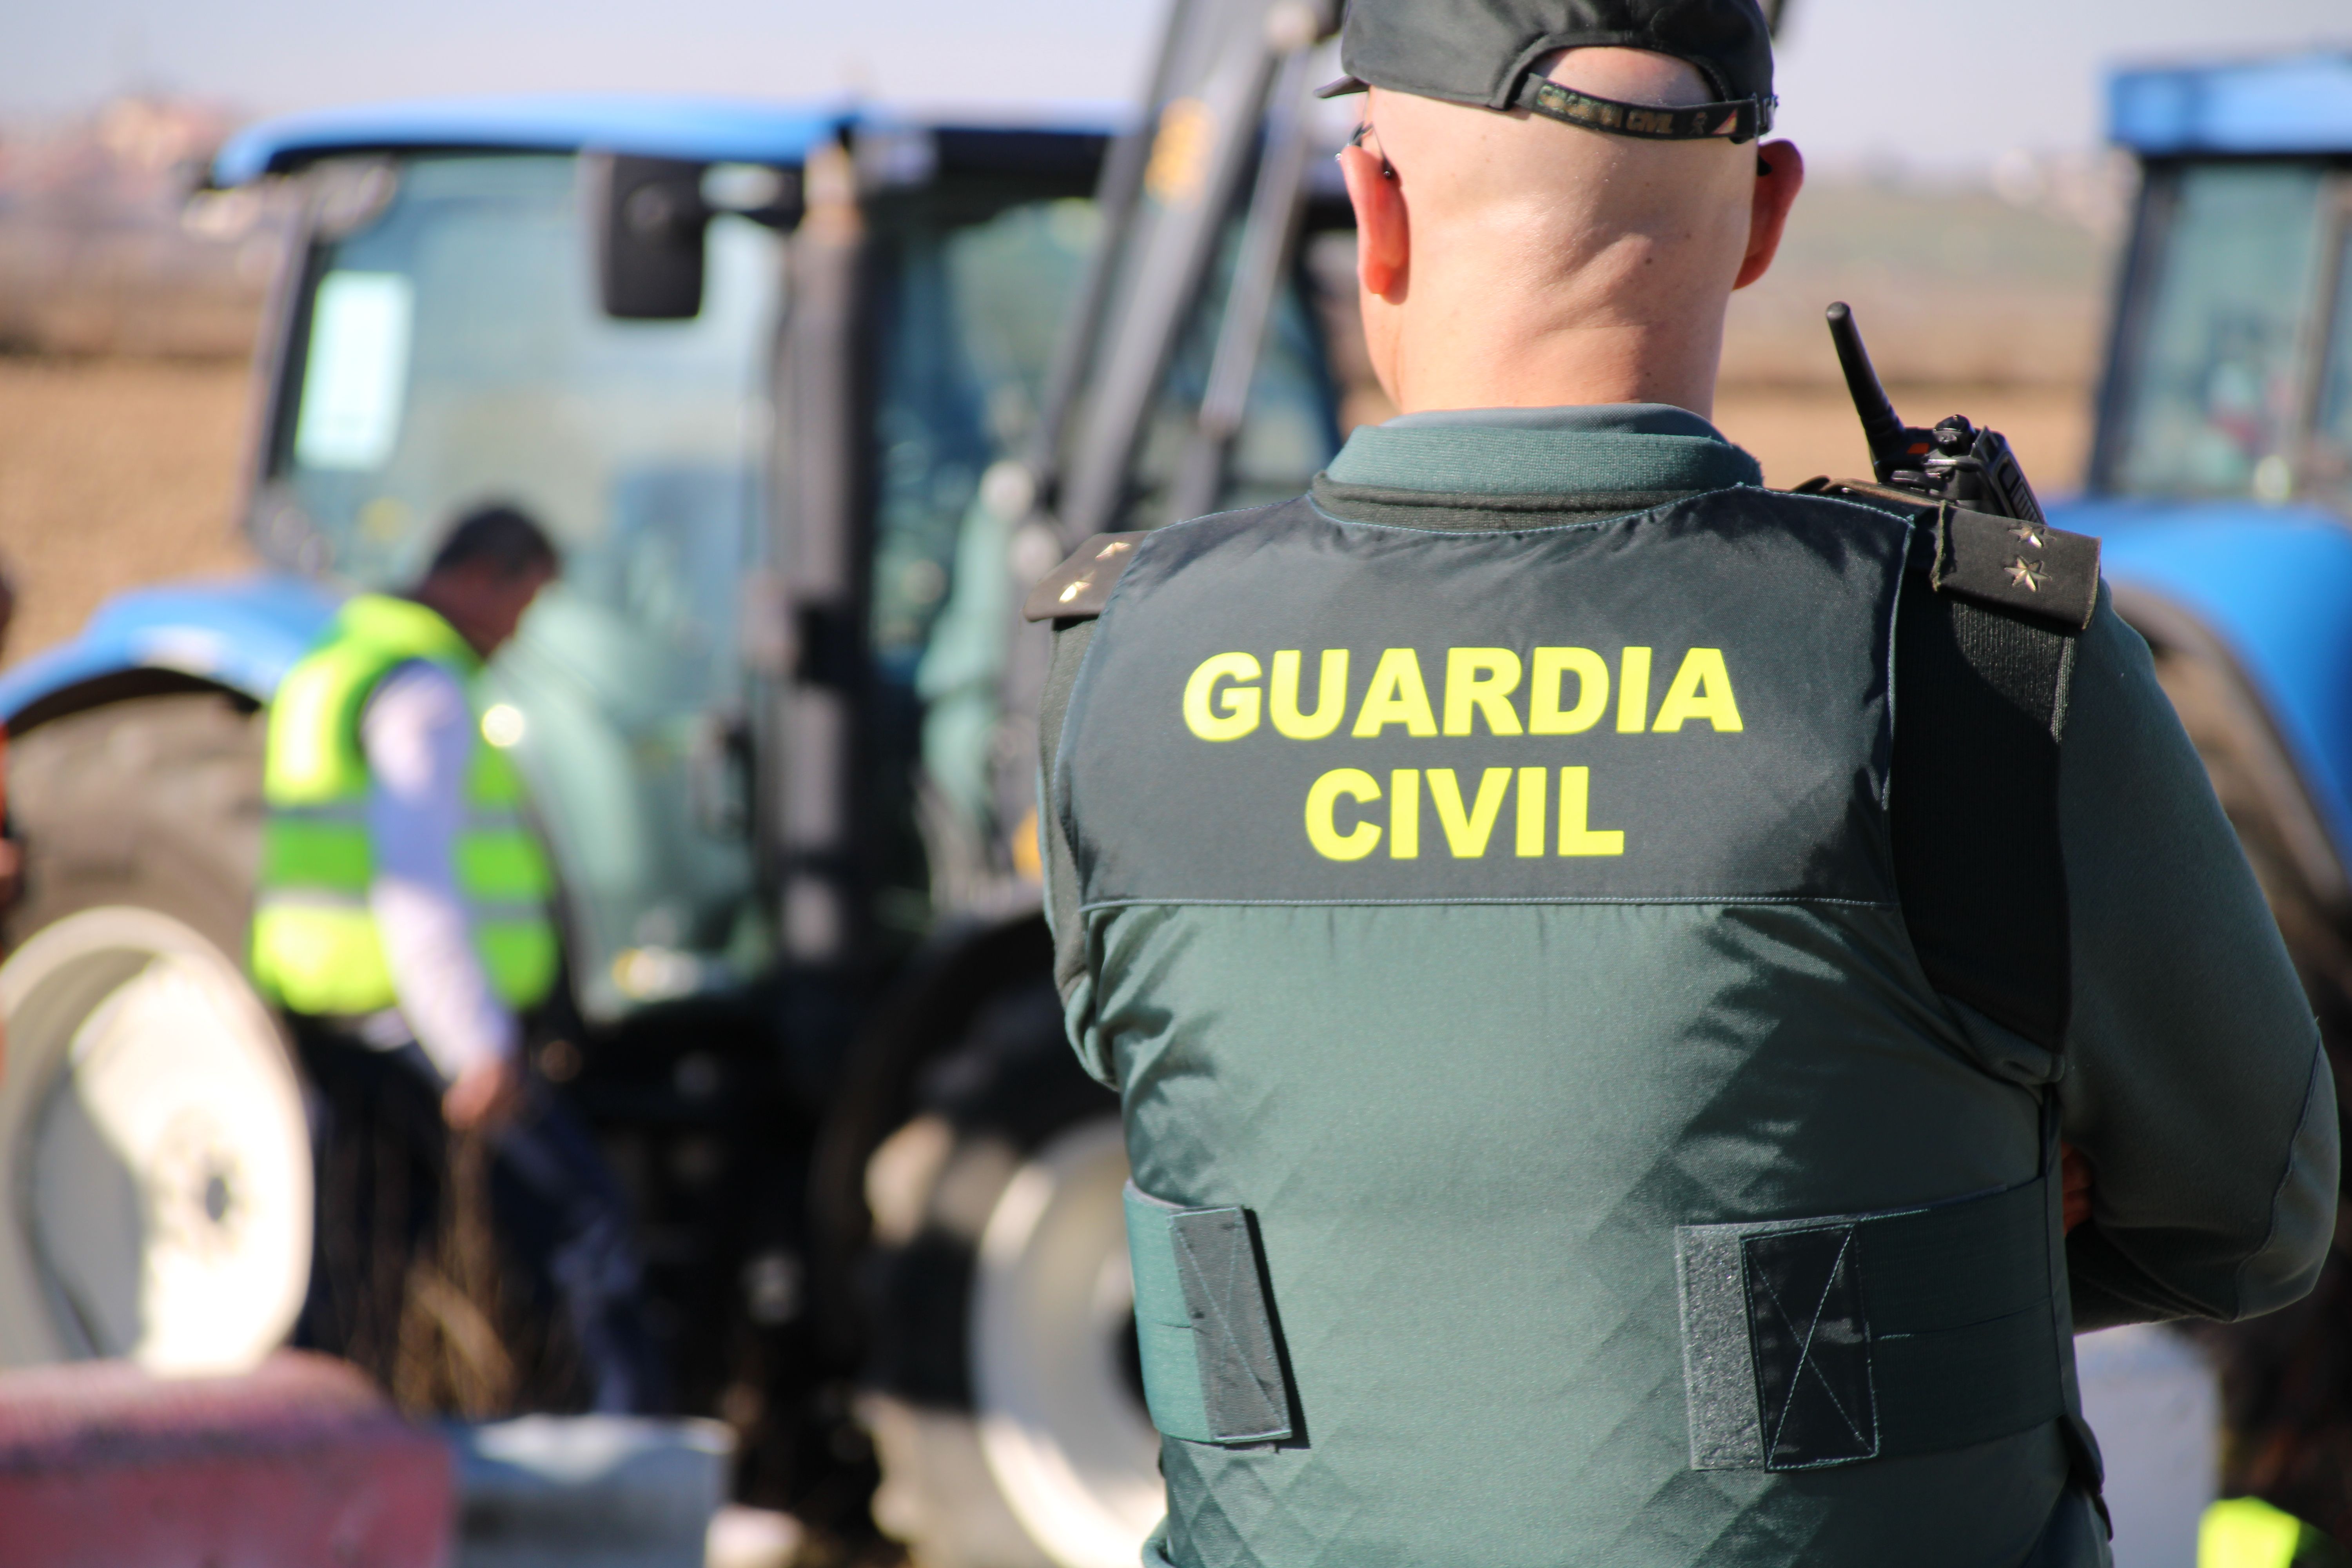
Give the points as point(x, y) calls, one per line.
point(1343, 86)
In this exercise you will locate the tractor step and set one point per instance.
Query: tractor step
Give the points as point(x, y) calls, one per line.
point(589, 1491)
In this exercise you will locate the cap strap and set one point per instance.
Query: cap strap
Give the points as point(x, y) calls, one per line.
point(1743, 120)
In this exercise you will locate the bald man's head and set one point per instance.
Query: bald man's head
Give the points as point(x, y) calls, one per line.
point(1509, 258)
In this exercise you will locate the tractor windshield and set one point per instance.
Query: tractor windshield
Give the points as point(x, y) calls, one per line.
point(2215, 398)
point(454, 353)
point(451, 353)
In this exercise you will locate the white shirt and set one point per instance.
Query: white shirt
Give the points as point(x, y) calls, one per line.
point(417, 732)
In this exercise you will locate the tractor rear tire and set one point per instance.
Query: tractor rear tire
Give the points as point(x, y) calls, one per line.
point(152, 1135)
point(1003, 1394)
point(154, 803)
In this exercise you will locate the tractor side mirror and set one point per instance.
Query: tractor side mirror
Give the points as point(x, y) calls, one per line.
point(646, 220)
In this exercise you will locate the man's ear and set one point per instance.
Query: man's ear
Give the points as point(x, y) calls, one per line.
point(1383, 239)
point(1779, 176)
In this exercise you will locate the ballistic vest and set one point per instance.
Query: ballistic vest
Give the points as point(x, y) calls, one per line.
point(1548, 1148)
point(315, 945)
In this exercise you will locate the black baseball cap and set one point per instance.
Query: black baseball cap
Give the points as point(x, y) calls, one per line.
point(1483, 53)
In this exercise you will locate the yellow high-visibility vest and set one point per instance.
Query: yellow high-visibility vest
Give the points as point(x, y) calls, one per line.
point(2247, 1532)
point(315, 944)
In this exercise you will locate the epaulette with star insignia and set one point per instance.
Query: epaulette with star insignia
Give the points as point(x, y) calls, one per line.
point(2030, 569)
point(1079, 587)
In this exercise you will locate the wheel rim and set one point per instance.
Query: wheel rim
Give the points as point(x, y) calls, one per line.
point(154, 1151)
point(1053, 1311)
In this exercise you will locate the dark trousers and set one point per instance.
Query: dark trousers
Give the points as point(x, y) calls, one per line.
point(553, 1283)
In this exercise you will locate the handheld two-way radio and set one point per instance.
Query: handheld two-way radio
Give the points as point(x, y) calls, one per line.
point(1955, 461)
point(1986, 658)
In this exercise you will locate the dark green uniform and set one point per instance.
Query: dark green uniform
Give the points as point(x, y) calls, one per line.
point(1478, 881)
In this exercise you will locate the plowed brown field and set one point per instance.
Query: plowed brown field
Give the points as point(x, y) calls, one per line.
point(113, 473)
point(119, 472)
point(1798, 432)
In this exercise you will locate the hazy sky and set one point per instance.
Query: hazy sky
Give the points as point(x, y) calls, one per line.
point(1928, 82)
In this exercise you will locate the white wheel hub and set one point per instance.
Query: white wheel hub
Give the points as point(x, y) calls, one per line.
point(1053, 1299)
point(154, 1150)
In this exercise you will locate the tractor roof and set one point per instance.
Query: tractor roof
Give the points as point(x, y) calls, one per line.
point(2295, 104)
point(705, 130)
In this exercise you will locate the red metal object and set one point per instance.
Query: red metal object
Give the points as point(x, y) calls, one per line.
point(298, 1465)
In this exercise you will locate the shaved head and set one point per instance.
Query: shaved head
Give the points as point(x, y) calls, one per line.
point(1511, 260)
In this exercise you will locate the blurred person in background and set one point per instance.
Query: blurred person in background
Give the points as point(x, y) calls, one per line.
point(404, 921)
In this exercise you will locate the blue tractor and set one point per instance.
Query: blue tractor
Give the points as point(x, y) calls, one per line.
point(2220, 485)
point(809, 396)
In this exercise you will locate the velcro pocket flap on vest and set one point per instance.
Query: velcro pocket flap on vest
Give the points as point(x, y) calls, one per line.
point(1211, 1369)
point(1827, 1342)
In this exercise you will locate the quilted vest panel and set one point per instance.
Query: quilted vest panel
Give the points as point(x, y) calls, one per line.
point(1503, 924)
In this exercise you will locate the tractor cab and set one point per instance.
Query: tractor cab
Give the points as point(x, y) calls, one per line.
point(580, 308)
point(2231, 374)
point(442, 343)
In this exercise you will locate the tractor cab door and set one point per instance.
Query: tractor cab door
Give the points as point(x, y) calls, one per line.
point(448, 348)
point(978, 369)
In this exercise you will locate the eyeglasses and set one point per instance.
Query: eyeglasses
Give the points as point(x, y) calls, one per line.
point(1388, 171)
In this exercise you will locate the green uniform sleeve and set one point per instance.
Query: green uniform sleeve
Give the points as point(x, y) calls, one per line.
point(1071, 640)
point(2194, 1077)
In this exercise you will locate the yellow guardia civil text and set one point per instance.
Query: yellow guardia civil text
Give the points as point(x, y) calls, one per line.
point(1494, 692)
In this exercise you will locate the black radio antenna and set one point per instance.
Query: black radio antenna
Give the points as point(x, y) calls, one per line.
point(1891, 441)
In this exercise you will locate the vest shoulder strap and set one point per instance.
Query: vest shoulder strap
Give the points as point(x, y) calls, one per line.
point(1079, 587)
point(1984, 664)
point(2041, 573)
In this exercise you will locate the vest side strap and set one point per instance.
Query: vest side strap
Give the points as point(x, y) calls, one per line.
point(1211, 1364)
point(1967, 1385)
point(1847, 1338)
